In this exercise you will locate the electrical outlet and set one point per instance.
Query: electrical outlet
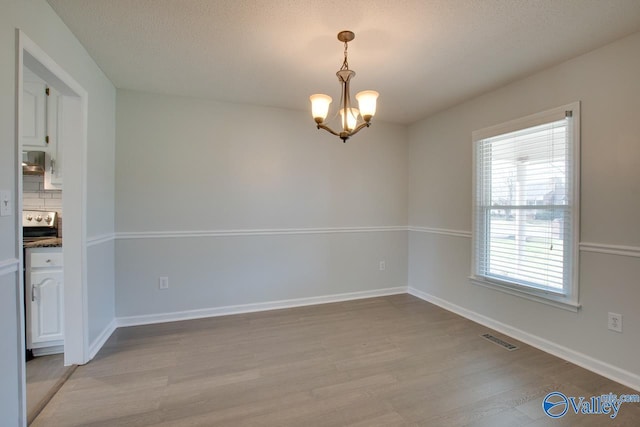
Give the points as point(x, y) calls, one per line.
point(615, 322)
point(163, 283)
point(383, 266)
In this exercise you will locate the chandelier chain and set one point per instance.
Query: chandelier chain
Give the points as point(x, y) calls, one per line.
point(345, 63)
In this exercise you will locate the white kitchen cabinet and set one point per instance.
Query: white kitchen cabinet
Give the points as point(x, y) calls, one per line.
point(42, 130)
point(53, 157)
point(44, 293)
point(34, 115)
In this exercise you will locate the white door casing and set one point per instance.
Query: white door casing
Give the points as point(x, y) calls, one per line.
point(75, 313)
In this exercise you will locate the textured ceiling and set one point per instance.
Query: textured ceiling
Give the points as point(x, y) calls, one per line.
point(421, 55)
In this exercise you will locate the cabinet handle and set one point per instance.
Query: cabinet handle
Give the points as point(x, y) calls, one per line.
point(53, 163)
point(33, 293)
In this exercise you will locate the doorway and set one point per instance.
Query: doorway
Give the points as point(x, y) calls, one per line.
point(73, 123)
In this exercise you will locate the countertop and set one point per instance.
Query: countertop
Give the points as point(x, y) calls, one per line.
point(54, 242)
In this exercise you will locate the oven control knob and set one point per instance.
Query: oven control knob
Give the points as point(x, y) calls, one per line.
point(39, 218)
point(48, 219)
point(29, 217)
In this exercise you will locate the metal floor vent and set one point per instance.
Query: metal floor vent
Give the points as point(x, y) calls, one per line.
point(500, 342)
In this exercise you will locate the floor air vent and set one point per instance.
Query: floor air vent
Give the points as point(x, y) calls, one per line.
point(500, 342)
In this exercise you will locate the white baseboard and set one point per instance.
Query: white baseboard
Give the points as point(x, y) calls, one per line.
point(614, 373)
point(97, 344)
point(48, 351)
point(255, 307)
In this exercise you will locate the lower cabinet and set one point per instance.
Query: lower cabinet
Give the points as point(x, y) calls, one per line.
point(44, 294)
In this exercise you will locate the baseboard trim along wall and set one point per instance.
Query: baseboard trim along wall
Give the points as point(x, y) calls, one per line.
point(8, 266)
point(99, 342)
point(253, 232)
point(255, 307)
point(614, 373)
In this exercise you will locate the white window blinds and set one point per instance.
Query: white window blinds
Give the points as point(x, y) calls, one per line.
point(524, 204)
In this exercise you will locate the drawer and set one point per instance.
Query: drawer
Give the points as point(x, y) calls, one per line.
point(46, 259)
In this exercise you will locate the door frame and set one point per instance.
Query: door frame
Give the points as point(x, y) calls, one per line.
point(74, 206)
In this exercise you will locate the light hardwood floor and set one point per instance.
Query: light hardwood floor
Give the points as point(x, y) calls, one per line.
point(389, 361)
point(45, 376)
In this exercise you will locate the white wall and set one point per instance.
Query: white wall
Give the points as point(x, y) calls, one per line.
point(607, 83)
point(38, 21)
point(101, 292)
point(101, 147)
point(186, 164)
point(9, 356)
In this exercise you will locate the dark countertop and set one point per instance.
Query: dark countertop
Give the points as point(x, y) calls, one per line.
point(54, 242)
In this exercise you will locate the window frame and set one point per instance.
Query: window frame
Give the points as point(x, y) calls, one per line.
point(568, 299)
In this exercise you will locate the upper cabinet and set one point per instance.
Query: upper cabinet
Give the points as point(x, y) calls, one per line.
point(53, 157)
point(42, 110)
point(34, 115)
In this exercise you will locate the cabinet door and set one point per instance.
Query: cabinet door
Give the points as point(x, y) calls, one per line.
point(53, 159)
point(47, 307)
point(34, 104)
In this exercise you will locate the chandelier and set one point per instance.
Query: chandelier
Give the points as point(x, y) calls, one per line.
point(349, 116)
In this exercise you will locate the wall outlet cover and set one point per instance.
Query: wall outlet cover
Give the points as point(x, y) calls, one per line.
point(5, 203)
point(615, 322)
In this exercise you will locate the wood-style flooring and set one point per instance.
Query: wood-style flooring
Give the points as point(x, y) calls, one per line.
point(45, 376)
point(389, 361)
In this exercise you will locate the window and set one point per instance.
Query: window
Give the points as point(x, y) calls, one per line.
point(525, 238)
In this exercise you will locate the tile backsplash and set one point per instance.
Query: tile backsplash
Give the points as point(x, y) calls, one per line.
point(34, 196)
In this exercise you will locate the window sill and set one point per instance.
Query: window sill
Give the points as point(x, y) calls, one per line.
point(532, 295)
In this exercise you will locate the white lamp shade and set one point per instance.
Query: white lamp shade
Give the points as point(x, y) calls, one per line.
point(367, 103)
point(320, 106)
point(352, 118)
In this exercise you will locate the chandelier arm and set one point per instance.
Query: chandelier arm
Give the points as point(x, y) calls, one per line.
point(327, 128)
point(359, 128)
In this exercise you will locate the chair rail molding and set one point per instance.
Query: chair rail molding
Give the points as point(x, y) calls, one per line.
point(601, 248)
point(102, 238)
point(253, 232)
point(442, 231)
point(9, 266)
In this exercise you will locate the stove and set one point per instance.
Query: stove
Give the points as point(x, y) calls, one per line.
point(39, 225)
